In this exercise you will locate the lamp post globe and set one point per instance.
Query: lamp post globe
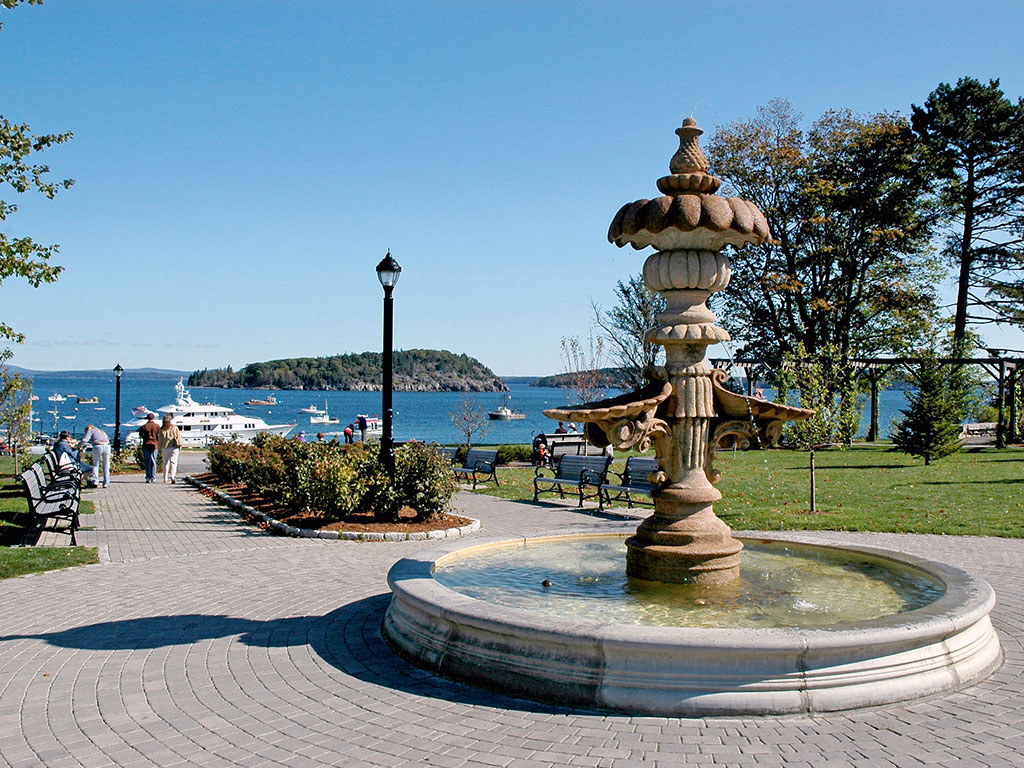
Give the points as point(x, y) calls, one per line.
point(118, 370)
point(388, 271)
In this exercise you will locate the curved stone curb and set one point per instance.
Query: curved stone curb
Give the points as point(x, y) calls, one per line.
point(307, 533)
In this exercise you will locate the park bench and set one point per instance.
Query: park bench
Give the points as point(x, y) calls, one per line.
point(578, 472)
point(49, 502)
point(634, 480)
point(448, 453)
point(558, 444)
point(57, 471)
point(480, 466)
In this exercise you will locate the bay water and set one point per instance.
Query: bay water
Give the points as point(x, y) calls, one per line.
point(417, 415)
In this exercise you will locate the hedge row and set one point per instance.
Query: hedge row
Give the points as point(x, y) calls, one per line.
point(338, 480)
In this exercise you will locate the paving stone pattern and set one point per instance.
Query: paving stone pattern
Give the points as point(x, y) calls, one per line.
point(200, 641)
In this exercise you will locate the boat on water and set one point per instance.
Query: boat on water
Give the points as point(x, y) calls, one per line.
point(199, 423)
point(88, 400)
point(56, 397)
point(504, 412)
point(314, 410)
point(270, 400)
point(323, 418)
point(140, 411)
point(374, 425)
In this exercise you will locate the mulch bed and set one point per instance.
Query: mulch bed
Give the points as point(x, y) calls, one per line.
point(355, 523)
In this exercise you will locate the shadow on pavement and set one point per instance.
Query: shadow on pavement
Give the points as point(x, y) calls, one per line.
point(349, 639)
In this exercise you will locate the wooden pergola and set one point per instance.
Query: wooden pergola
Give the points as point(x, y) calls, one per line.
point(1003, 370)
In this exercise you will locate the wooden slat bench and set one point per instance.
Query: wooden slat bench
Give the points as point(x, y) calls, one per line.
point(49, 502)
point(479, 466)
point(633, 481)
point(578, 472)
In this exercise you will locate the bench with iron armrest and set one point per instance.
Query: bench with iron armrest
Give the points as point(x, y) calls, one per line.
point(577, 472)
point(49, 502)
point(54, 469)
point(480, 466)
point(633, 481)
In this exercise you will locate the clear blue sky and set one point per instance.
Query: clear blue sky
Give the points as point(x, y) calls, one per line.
point(241, 167)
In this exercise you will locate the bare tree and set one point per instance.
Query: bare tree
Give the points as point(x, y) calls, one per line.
point(624, 325)
point(470, 419)
point(584, 380)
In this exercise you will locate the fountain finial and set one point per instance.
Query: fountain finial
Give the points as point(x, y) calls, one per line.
point(689, 158)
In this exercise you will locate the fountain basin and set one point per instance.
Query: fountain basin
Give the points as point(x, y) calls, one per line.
point(681, 671)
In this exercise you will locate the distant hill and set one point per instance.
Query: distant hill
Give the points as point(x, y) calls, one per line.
point(415, 370)
point(105, 372)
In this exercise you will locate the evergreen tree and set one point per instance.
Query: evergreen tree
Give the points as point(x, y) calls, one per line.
point(975, 138)
point(930, 427)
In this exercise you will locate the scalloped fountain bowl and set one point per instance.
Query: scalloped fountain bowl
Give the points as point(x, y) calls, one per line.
point(805, 629)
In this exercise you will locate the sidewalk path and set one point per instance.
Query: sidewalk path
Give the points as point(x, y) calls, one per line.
point(202, 642)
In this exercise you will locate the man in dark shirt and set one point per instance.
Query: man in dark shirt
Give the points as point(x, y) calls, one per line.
point(149, 432)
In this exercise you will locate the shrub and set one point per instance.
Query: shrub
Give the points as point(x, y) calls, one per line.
point(510, 453)
point(264, 469)
point(227, 460)
point(341, 480)
point(423, 480)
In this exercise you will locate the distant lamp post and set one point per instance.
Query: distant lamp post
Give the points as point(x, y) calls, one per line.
point(387, 272)
point(118, 370)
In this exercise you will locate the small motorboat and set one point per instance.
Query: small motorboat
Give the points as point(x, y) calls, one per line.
point(140, 411)
point(271, 400)
point(314, 410)
point(504, 413)
point(88, 400)
point(324, 418)
point(56, 397)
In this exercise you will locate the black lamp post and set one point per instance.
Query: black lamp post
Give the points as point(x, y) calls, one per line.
point(118, 370)
point(387, 272)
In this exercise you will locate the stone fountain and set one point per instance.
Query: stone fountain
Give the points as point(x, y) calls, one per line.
point(554, 651)
point(686, 411)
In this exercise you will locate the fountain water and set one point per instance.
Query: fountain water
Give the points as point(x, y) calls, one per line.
point(686, 412)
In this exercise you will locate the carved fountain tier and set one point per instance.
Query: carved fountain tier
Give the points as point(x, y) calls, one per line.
point(684, 410)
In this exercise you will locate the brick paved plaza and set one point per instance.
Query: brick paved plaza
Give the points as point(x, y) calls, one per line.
point(201, 641)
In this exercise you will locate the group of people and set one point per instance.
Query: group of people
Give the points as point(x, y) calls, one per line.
point(164, 438)
point(96, 438)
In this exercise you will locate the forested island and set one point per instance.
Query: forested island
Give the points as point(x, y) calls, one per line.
point(415, 370)
point(610, 378)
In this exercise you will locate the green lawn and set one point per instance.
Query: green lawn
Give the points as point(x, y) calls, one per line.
point(17, 561)
point(864, 488)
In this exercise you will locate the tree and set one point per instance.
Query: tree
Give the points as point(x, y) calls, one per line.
point(15, 411)
point(975, 137)
point(624, 325)
point(850, 262)
point(930, 427)
point(470, 419)
point(824, 382)
point(22, 256)
point(584, 380)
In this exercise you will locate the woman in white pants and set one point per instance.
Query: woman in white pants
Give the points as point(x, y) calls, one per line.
point(169, 441)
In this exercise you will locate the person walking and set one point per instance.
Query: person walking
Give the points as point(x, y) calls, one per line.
point(100, 443)
point(169, 442)
point(150, 434)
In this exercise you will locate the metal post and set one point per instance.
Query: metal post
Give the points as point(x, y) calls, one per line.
point(387, 443)
point(117, 414)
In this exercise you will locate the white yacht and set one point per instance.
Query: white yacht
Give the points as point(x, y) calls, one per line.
point(199, 423)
